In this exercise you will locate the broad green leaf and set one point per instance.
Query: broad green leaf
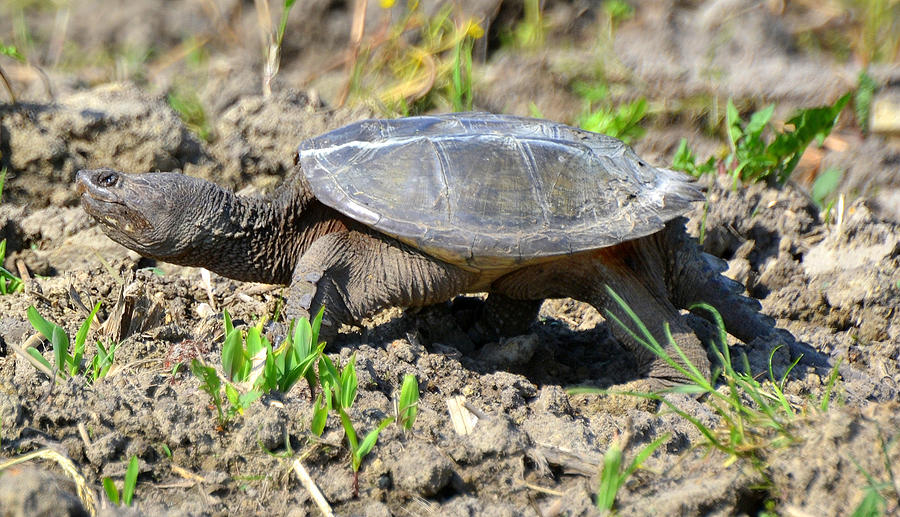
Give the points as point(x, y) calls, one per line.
point(733, 121)
point(254, 343)
point(408, 405)
point(758, 121)
point(302, 338)
point(248, 398)
point(40, 324)
point(233, 354)
point(320, 415)
point(229, 327)
point(233, 397)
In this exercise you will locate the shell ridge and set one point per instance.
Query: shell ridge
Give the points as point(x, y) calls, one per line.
point(537, 183)
point(443, 163)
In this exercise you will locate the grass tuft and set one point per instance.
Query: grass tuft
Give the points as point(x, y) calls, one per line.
point(755, 416)
point(417, 63)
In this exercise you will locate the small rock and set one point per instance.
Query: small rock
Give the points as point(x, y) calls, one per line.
point(422, 469)
point(31, 491)
point(514, 351)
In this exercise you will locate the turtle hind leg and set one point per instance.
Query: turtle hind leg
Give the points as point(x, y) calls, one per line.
point(633, 270)
point(695, 277)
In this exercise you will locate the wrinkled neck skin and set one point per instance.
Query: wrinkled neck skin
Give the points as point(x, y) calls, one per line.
point(192, 222)
point(251, 238)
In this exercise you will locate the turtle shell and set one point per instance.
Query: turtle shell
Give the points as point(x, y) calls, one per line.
point(491, 191)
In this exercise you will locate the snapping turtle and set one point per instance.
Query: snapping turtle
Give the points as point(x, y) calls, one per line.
point(414, 211)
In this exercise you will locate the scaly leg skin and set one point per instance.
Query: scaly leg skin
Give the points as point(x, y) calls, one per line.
point(353, 274)
point(693, 277)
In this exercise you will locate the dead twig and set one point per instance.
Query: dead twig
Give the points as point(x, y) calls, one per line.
point(307, 481)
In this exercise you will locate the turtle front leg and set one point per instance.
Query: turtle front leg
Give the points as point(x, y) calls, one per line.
point(354, 274)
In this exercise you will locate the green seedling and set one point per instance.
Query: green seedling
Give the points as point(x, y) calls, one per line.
point(131, 474)
point(751, 157)
point(684, 160)
point(237, 357)
point(339, 389)
point(862, 99)
point(749, 429)
point(212, 385)
point(281, 368)
point(599, 115)
point(614, 475)
point(191, 112)
point(295, 358)
point(407, 406)
point(68, 363)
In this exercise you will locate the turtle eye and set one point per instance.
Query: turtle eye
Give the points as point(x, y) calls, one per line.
point(107, 178)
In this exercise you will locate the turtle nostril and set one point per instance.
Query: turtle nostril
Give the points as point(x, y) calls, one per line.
point(108, 178)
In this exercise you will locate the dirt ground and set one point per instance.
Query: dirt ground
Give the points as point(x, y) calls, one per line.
point(832, 286)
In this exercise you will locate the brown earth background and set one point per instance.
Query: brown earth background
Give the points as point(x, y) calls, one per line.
point(180, 85)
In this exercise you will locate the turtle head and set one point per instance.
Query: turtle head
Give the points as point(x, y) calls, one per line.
point(152, 214)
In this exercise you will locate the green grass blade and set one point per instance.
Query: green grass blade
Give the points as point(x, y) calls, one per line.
point(408, 405)
point(645, 453)
point(109, 486)
point(610, 477)
point(349, 431)
point(41, 359)
point(369, 441)
point(130, 480)
point(349, 383)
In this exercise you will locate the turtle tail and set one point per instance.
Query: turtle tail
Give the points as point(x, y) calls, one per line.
point(677, 192)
